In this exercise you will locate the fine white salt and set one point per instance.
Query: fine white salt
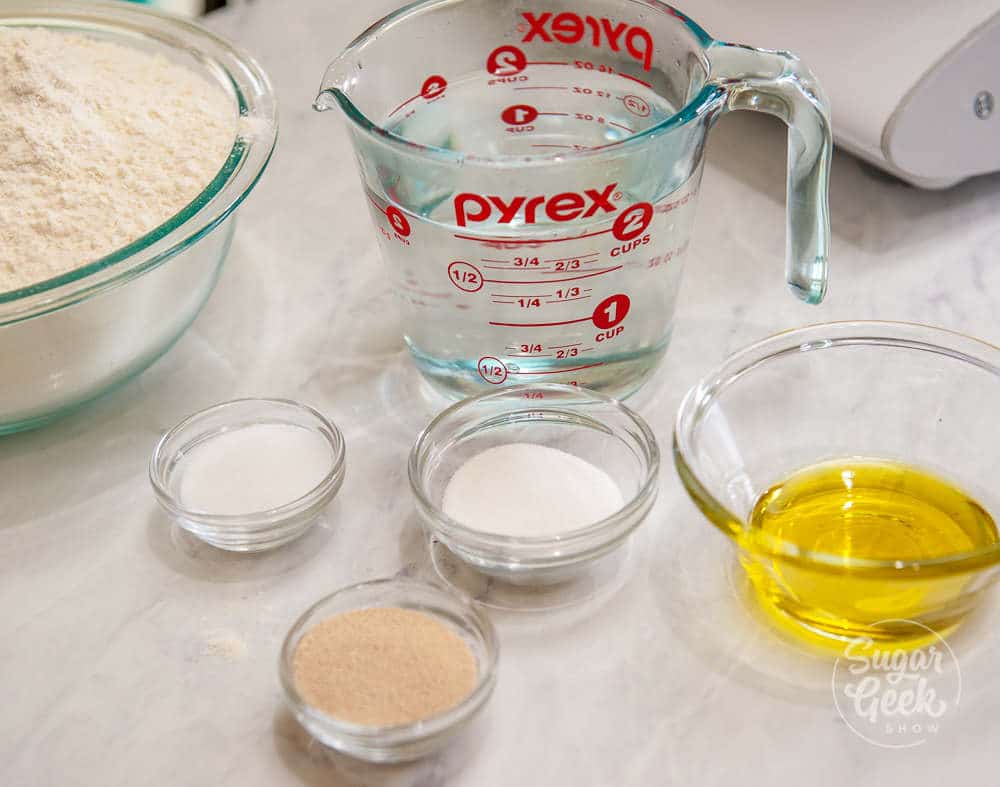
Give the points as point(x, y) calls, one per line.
point(526, 489)
point(252, 469)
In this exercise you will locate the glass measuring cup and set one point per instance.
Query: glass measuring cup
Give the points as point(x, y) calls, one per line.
point(532, 170)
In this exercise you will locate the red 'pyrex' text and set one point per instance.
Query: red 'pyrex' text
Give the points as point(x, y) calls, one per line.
point(567, 206)
point(569, 28)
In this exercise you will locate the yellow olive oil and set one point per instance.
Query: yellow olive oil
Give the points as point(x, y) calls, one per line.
point(856, 511)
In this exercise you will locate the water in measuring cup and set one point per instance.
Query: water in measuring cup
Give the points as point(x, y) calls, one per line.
point(589, 109)
point(576, 282)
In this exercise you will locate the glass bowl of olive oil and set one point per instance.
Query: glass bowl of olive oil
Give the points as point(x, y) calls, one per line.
point(856, 468)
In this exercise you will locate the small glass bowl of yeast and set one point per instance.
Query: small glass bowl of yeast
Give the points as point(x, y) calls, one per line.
point(406, 618)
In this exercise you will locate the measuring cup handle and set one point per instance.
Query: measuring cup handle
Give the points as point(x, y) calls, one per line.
point(777, 83)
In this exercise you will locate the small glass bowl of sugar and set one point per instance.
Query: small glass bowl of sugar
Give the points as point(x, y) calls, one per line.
point(530, 483)
point(248, 475)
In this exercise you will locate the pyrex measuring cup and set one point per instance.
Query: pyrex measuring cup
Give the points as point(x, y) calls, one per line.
point(532, 170)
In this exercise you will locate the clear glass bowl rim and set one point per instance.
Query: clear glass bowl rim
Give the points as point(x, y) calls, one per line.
point(247, 159)
point(957, 346)
point(398, 734)
point(255, 521)
point(569, 543)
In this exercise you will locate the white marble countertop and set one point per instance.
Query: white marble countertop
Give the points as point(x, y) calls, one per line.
point(131, 656)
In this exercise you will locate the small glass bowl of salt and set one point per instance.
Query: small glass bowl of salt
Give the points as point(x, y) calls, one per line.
point(248, 475)
point(531, 483)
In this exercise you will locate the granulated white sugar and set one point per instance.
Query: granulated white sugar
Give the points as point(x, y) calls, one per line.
point(527, 489)
point(99, 144)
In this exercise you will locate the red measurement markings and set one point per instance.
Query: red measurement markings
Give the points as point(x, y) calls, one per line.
point(492, 370)
point(635, 104)
point(525, 114)
point(576, 256)
point(666, 207)
point(398, 220)
point(633, 221)
point(540, 324)
point(542, 87)
point(608, 314)
point(570, 369)
point(515, 296)
point(505, 61)
point(526, 350)
point(432, 88)
point(508, 61)
point(563, 294)
point(466, 276)
point(619, 125)
point(395, 216)
point(517, 264)
point(570, 268)
point(567, 300)
point(611, 311)
point(519, 114)
point(553, 281)
point(635, 79)
point(410, 99)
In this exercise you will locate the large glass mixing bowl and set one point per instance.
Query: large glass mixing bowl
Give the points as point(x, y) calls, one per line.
point(71, 338)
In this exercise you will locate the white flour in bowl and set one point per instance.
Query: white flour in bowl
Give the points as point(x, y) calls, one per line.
point(99, 144)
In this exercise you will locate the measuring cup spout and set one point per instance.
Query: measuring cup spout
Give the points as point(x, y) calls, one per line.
point(340, 78)
point(324, 101)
